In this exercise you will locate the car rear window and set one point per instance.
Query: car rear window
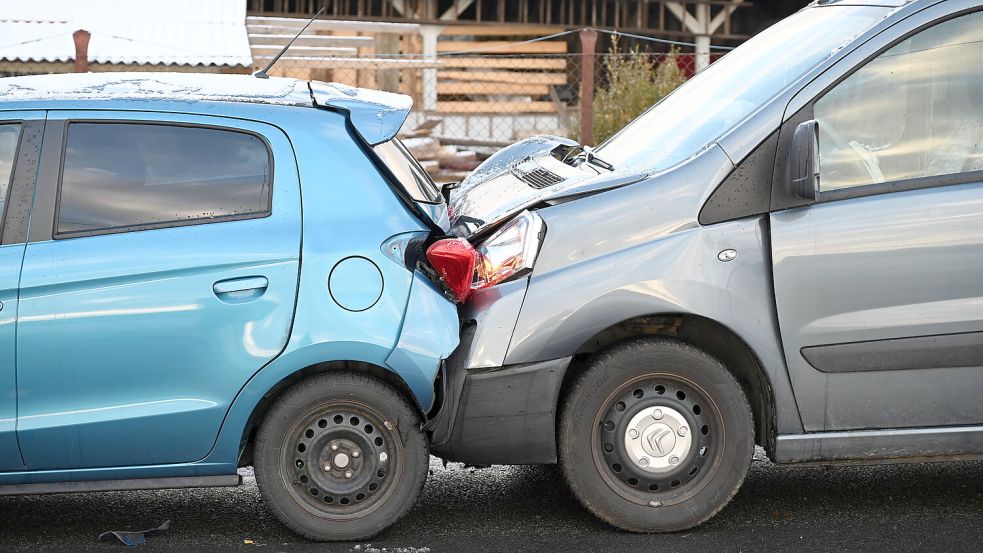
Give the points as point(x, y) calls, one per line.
point(132, 176)
point(407, 171)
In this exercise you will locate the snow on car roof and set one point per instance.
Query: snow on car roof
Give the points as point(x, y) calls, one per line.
point(376, 115)
point(155, 86)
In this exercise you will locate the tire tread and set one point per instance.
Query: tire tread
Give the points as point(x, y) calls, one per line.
point(280, 412)
point(597, 363)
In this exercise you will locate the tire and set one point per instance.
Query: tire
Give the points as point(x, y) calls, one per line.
point(655, 436)
point(340, 457)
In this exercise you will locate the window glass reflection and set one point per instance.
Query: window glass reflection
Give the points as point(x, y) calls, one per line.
point(130, 175)
point(9, 135)
point(914, 111)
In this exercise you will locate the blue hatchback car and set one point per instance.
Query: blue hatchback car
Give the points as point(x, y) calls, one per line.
point(199, 273)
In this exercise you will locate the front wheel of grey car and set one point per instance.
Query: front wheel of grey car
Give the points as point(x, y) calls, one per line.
point(340, 457)
point(655, 436)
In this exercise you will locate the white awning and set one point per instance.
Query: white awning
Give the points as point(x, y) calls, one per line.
point(176, 32)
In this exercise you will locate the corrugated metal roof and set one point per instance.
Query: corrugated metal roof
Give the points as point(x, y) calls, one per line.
point(179, 32)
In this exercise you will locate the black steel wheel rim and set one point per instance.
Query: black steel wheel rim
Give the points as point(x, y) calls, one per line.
point(692, 472)
point(341, 460)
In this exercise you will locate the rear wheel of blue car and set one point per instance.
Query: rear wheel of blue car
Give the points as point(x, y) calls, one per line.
point(340, 457)
point(655, 436)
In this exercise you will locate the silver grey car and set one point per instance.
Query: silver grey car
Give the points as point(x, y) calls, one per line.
point(786, 251)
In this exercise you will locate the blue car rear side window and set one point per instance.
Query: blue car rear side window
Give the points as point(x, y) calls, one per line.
point(9, 137)
point(120, 177)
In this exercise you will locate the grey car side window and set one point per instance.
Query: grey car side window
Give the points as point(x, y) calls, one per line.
point(913, 111)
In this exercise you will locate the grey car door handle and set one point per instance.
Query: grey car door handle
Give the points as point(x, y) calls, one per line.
point(236, 290)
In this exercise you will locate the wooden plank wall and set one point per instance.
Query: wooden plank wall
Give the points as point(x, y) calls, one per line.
point(493, 69)
point(481, 69)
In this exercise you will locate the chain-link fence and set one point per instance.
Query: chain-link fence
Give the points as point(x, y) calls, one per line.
point(468, 96)
point(467, 106)
point(481, 97)
point(492, 99)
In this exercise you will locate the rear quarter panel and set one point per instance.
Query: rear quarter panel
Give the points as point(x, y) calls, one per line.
point(349, 211)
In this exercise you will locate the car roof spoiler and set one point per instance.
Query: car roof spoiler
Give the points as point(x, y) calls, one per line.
point(376, 115)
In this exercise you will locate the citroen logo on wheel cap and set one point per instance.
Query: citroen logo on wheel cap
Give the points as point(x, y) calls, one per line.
point(661, 440)
point(657, 439)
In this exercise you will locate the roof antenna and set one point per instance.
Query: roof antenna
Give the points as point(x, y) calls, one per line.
point(261, 74)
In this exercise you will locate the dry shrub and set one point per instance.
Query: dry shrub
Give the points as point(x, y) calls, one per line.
point(634, 83)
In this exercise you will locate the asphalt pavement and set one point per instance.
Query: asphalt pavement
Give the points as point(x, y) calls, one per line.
point(916, 507)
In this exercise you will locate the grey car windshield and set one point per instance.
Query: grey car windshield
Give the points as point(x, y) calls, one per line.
point(718, 98)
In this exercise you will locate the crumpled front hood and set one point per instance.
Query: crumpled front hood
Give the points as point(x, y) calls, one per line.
point(523, 175)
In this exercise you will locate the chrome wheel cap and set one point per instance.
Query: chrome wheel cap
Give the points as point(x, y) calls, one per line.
point(657, 439)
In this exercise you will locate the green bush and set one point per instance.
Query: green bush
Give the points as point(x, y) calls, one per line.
point(633, 84)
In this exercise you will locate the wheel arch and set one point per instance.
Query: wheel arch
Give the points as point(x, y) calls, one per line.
point(707, 334)
point(259, 411)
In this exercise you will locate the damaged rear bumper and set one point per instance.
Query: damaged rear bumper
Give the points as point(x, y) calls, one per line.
point(505, 415)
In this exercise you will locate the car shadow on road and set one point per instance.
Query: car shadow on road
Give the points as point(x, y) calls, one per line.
point(815, 508)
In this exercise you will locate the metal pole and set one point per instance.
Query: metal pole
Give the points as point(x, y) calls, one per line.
point(430, 34)
point(703, 38)
point(588, 43)
point(702, 52)
point(387, 79)
point(81, 38)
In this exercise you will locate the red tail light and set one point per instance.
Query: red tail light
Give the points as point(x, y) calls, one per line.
point(454, 260)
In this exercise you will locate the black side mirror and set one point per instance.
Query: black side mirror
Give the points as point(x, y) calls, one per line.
point(803, 161)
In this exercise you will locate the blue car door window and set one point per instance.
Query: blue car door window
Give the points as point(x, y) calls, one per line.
point(9, 135)
point(159, 175)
